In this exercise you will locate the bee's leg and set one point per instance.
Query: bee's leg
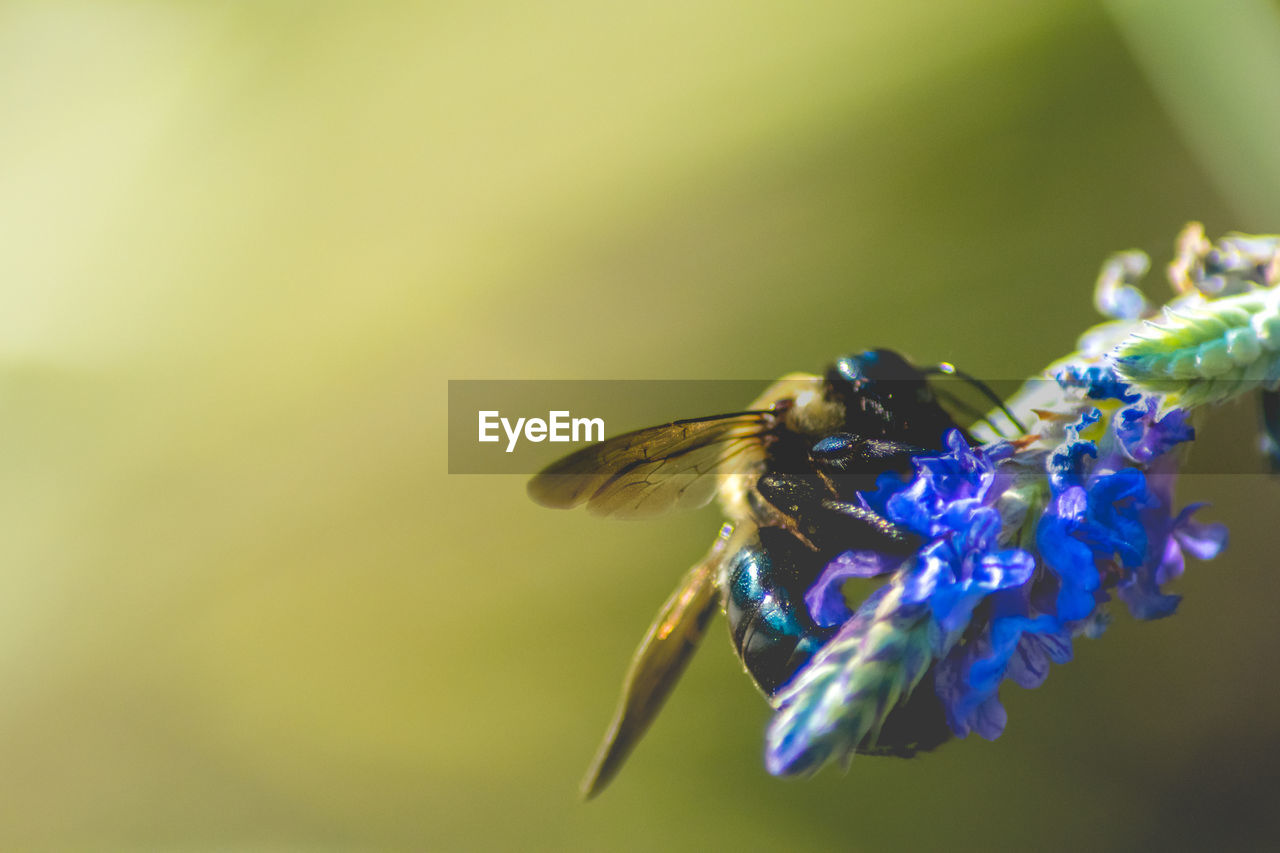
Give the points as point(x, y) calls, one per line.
point(823, 520)
point(850, 463)
point(659, 661)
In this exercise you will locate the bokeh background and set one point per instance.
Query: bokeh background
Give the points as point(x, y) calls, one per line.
point(245, 245)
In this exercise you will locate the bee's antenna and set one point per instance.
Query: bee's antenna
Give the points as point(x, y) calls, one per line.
point(947, 369)
point(966, 408)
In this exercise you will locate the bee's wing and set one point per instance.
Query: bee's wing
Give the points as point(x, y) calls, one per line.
point(659, 661)
point(652, 470)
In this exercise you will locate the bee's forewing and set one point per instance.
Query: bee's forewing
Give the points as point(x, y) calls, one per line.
point(650, 471)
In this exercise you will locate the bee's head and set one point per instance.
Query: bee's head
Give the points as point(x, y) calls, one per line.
point(880, 391)
point(872, 393)
point(854, 374)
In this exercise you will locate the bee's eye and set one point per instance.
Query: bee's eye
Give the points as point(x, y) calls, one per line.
point(851, 369)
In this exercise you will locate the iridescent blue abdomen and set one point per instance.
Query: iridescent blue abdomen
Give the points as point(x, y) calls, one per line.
point(768, 622)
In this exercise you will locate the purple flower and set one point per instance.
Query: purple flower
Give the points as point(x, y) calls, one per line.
point(1023, 542)
point(954, 573)
point(1016, 646)
point(987, 609)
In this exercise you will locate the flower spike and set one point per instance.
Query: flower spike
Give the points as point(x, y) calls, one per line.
point(1024, 543)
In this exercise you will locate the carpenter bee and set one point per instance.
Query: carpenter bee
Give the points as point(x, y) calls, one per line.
point(787, 472)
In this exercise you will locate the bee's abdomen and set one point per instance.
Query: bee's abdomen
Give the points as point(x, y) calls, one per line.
point(770, 630)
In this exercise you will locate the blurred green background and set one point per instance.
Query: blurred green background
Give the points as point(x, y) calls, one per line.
point(246, 244)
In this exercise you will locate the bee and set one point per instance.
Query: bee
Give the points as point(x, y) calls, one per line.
point(787, 472)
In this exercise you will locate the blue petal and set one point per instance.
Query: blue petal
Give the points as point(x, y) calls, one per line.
point(989, 718)
point(1029, 664)
point(1004, 569)
point(1070, 559)
point(1098, 382)
point(1204, 541)
point(825, 599)
point(931, 569)
point(953, 605)
point(1146, 601)
point(968, 679)
point(1144, 438)
point(1066, 464)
